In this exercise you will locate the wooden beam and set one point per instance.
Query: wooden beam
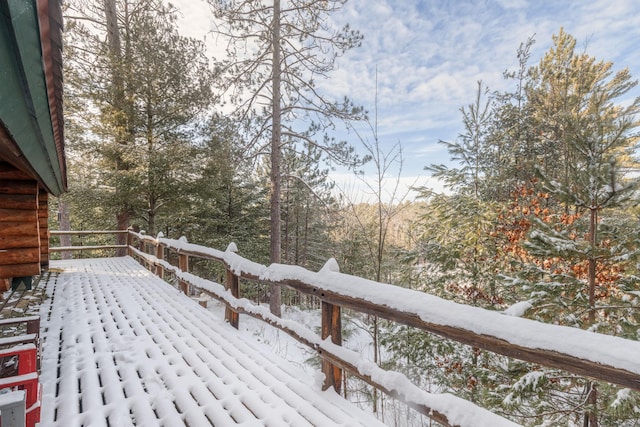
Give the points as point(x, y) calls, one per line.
point(18, 187)
point(183, 264)
point(43, 222)
point(19, 256)
point(20, 253)
point(85, 248)
point(15, 215)
point(160, 255)
point(86, 232)
point(43, 225)
point(17, 201)
point(545, 357)
point(20, 240)
point(18, 230)
point(232, 285)
point(130, 239)
point(331, 327)
point(20, 270)
point(11, 242)
point(9, 172)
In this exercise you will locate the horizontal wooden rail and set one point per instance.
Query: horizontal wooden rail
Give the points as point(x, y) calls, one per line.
point(85, 232)
point(599, 369)
point(32, 322)
point(85, 248)
point(81, 248)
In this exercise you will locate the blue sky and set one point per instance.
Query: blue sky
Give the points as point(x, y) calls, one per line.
point(430, 54)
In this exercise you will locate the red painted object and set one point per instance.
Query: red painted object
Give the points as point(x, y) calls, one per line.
point(25, 357)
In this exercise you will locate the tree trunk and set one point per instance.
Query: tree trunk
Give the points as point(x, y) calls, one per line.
point(151, 175)
point(64, 225)
point(376, 360)
point(121, 239)
point(296, 247)
point(286, 213)
point(275, 299)
point(305, 244)
point(591, 416)
point(151, 221)
point(115, 50)
point(592, 264)
point(115, 46)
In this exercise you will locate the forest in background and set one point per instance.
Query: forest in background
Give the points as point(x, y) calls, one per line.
point(541, 214)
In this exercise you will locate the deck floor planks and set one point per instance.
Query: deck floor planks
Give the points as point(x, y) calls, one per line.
point(123, 348)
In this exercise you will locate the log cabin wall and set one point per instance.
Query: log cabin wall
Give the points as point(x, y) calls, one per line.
point(43, 225)
point(20, 237)
point(32, 157)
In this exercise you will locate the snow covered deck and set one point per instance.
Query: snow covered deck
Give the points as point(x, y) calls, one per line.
point(121, 348)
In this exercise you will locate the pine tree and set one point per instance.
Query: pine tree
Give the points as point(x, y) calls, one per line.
point(541, 194)
point(144, 87)
point(307, 205)
point(277, 53)
point(596, 136)
point(458, 231)
point(513, 151)
point(583, 249)
point(229, 200)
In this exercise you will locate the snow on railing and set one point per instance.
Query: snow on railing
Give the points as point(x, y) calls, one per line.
point(603, 357)
point(444, 408)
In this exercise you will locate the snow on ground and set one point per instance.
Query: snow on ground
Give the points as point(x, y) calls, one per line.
point(123, 348)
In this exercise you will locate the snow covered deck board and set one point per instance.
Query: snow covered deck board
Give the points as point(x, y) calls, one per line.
point(121, 348)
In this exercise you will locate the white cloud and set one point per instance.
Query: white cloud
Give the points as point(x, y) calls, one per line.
point(429, 54)
point(512, 4)
point(407, 188)
point(194, 18)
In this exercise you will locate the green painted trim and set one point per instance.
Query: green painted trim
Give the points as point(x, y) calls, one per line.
point(24, 102)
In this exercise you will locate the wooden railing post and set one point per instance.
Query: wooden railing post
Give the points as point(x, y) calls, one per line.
point(130, 242)
point(232, 284)
point(331, 326)
point(160, 255)
point(141, 245)
point(183, 264)
point(33, 326)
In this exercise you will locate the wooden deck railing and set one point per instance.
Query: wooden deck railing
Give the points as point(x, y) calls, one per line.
point(602, 357)
point(86, 247)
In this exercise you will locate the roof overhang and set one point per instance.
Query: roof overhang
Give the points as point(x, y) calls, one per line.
point(31, 120)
